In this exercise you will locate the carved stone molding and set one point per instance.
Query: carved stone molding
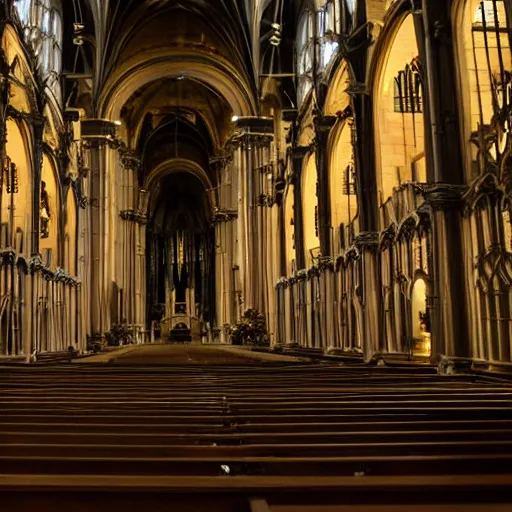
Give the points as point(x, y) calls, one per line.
point(301, 275)
point(367, 241)
point(98, 129)
point(248, 140)
point(324, 123)
point(353, 254)
point(32, 119)
point(325, 263)
point(265, 201)
point(488, 186)
point(62, 276)
point(36, 266)
point(444, 196)
point(313, 272)
point(129, 159)
point(408, 226)
point(8, 257)
point(84, 202)
point(454, 365)
point(221, 159)
point(134, 216)
point(387, 238)
point(358, 88)
point(282, 282)
point(220, 216)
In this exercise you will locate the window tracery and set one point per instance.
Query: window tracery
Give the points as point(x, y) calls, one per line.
point(41, 21)
point(409, 89)
point(399, 116)
point(491, 82)
point(329, 18)
point(305, 52)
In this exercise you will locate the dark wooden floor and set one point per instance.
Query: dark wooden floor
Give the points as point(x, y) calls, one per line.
point(246, 435)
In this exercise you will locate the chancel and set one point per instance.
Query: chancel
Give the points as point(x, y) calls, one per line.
point(276, 230)
point(181, 259)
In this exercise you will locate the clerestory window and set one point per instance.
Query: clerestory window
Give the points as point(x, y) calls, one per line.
point(305, 52)
point(329, 27)
point(41, 21)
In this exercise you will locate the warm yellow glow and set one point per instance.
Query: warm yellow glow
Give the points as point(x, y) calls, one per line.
point(419, 307)
point(341, 184)
point(71, 239)
point(400, 135)
point(49, 177)
point(17, 151)
point(480, 62)
point(289, 232)
point(309, 207)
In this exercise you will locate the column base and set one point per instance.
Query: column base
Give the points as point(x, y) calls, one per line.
point(449, 365)
point(398, 358)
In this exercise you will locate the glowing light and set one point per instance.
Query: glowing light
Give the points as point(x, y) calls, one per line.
point(234, 119)
point(117, 123)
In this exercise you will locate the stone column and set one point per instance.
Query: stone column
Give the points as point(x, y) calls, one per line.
point(323, 125)
point(367, 244)
point(254, 138)
point(229, 233)
point(131, 219)
point(448, 302)
point(367, 240)
point(98, 135)
point(298, 155)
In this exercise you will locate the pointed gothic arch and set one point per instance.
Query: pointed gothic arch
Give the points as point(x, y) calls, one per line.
point(398, 99)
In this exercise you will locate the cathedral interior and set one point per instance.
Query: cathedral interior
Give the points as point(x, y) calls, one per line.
point(256, 255)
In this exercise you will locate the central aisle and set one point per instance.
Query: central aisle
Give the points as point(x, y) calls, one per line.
point(162, 353)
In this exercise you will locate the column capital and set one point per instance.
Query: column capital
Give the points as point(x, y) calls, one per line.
point(300, 152)
point(358, 88)
point(98, 129)
point(256, 124)
point(129, 159)
point(134, 216)
point(323, 123)
point(444, 196)
point(367, 241)
point(220, 216)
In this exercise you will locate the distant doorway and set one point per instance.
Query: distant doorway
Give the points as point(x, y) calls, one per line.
point(180, 260)
point(420, 319)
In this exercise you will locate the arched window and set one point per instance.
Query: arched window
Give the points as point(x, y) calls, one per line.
point(16, 189)
point(289, 227)
point(399, 112)
point(24, 9)
point(342, 187)
point(41, 21)
point(490, 78)
point(49, 211)
point(310, 210)
point(483, 39)
point(329, 27)
point(305, 52)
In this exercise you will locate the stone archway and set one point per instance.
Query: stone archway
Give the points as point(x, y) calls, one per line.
point(180, 258)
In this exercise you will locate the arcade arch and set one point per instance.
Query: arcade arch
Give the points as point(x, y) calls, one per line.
point(398, 100)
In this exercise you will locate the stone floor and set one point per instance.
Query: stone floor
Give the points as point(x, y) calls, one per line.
point(182, 354)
